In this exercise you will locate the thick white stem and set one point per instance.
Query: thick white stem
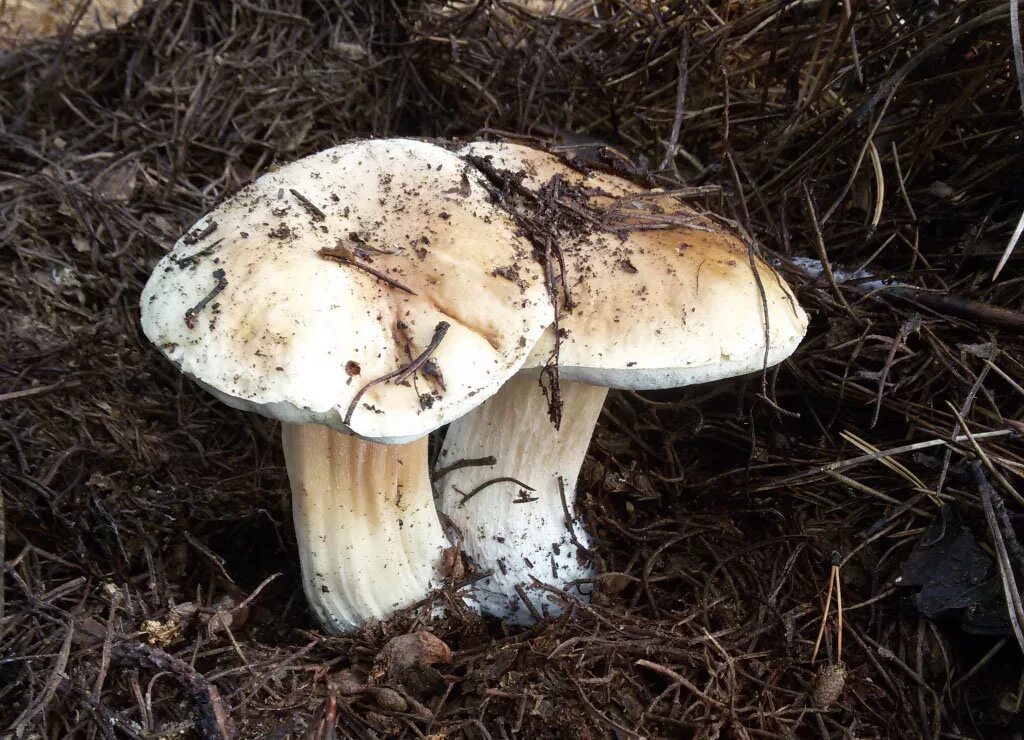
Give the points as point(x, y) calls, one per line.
point(368, 534)
point(503, 530)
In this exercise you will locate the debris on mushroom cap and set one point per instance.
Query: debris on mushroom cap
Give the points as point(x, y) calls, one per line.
point(340, 269)
point(537, 167)
point(659, 295)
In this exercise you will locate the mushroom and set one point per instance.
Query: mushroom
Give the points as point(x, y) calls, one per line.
point(352, 296)
point(660, 297)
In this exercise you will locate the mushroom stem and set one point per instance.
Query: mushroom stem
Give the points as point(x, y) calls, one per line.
point(516, 533)
point(368, 534)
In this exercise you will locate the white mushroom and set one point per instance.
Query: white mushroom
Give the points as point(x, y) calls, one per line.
point(353, 293)
point(654, 308)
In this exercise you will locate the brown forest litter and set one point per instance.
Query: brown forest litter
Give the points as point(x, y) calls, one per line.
point(143, 518)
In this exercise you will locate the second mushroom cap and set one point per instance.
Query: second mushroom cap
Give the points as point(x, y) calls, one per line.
point(654, 295)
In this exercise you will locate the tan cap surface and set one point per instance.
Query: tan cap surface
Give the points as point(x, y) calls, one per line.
point(656, 307)
point(292, 335)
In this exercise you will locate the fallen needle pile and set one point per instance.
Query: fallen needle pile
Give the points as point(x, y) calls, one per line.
point(142, 523)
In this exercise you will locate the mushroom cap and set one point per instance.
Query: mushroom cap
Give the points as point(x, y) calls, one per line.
point(664, 296)
point(292, 335)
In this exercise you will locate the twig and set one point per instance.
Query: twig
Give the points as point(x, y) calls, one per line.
point(192, 258)
point(191, 237)
point(504, 479)
point(1018, 53)
point(981, 663)
point(56, 675)
point(819, 245)
point(824, 617)
point(685, 683)
point(1020, 224)
point(839, 611)
point(338, 255)
point(980, 454)
point(107, 719)
point(964, 308)
point(108, 643)
point(309, 205)
point(456, 588)
point(464, 463)
point(403, 372)
point(569, 520)
point(908, 327)
point(192, 313)
point(214, 721)
point(876, 163)
point(14, 395)
point(881, 454)
point(256, 592)
point(526, 600)
point(677, 119)
point(764, 319)
point(1014, 607)
point(279, 15)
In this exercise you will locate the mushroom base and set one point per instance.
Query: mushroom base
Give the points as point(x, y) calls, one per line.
point(518, 534)
point(368, 534)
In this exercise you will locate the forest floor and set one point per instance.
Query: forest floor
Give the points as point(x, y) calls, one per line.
point(149, 563)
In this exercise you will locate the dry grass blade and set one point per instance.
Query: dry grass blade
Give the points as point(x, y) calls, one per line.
point(1014, 606)
point(1011, 245)
point(1018, 52)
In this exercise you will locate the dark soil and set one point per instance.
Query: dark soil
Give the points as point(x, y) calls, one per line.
point(141, 519)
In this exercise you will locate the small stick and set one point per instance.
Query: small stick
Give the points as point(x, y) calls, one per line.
point(213, 717)
point(191, 259)
point(338, 255)
point(190, 315)
point(505, 479)
point(12, 395)
point(191, 238)
point(403, 372)
point(1014, 607)
point(764, 315)
point(677, 119)
point(569, 520)
point(876, 163)
point(464, 463)
point(980, 453)
point(252, 597)
point(819, 245)
point(439, 331)
point(108, 643)
point(1016, 232)
point(681, 680)
point(49, 688)
point(568, 302)
point(476, 578)
point(839, 613)
point(886, 454)
point(309, 205)
point(824, 618)
point(529, 604)
point(963, 308)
